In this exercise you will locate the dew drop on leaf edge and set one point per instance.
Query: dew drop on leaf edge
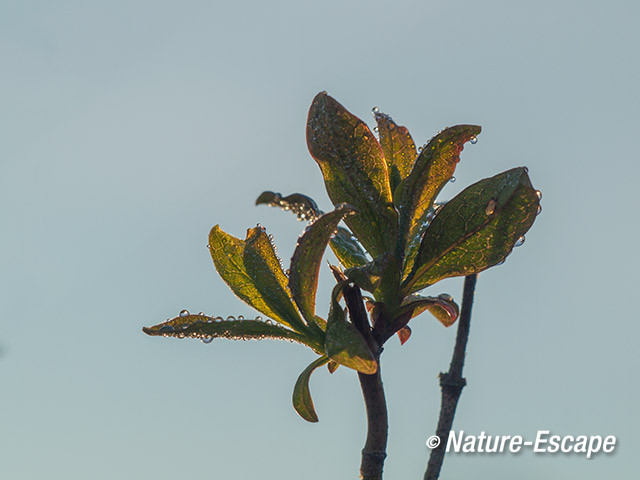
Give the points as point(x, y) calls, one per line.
point(184, 313)
point(520, 242)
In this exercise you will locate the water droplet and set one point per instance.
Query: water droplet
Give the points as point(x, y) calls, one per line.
point(539, 211)
point(519, 242)
point(501, 261)
point(526, 169)
point(375, 110)
point(474, 140)
point(491, 207)
point(240, 317)
point(184, 313)
point(201, 313)
point(207, 339)
point(259, 318)
point(375, 129)
point(539, 194)
point(166, 329)
point(231, 318)
point(446, 296)
point(420, 149)
point(452, 179)
point(219, 319)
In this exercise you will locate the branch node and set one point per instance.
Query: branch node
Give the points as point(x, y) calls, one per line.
point(452, 381)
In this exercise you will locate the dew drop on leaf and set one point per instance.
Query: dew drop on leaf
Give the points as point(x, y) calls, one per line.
point(474, 140)
point(207, 339)
point(491, 207)
point(184, 313)
point(375, 109)
point(231, 318)
point(446, 296)
point(240, 317)
point(452, 179)
point(539, 211)
point(519, 242)
point(167, 329)
point(539, 194)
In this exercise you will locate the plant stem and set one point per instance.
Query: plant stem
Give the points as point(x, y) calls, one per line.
point(375, 447)
point(452, 382)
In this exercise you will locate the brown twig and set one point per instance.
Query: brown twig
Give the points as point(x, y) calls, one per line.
point(452, 382)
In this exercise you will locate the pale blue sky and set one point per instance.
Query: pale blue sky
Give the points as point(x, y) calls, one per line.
point(130, 128)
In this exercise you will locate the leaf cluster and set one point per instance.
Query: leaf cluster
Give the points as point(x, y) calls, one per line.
point(396, 241)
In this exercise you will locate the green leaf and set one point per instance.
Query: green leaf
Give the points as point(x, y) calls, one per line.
point(306, 259)
point(253, 272)
point(398, 148)
point(207, 328)
point(354, 171)
point(475, 230)
point(433, 168)
point(347, 249)
point(302, 401)
point(380, 277)
point(304, 207)
point(344, 344)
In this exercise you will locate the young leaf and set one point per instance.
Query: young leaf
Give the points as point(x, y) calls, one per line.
point(442, 307)
point(354, 171)
point(475, 230)
point(302, 401)
point(398, 148)
point(304, 207)
point(432, 169)
point(343, 343)
point(305, 263)
point(253, 272)
point(403, 334)
point(347, 249)
point(207, 328)
point(332, 366)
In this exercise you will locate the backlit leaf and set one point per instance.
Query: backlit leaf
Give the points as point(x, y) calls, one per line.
point(253, 272)
point(354, 171)
point(398, 148)
point(347, 249)
point(207, 328)
point(306, 259)
point(475, 230)
point(433, 168)
point(302, 401)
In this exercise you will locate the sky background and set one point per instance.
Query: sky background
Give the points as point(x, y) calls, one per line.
point(129, 129)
